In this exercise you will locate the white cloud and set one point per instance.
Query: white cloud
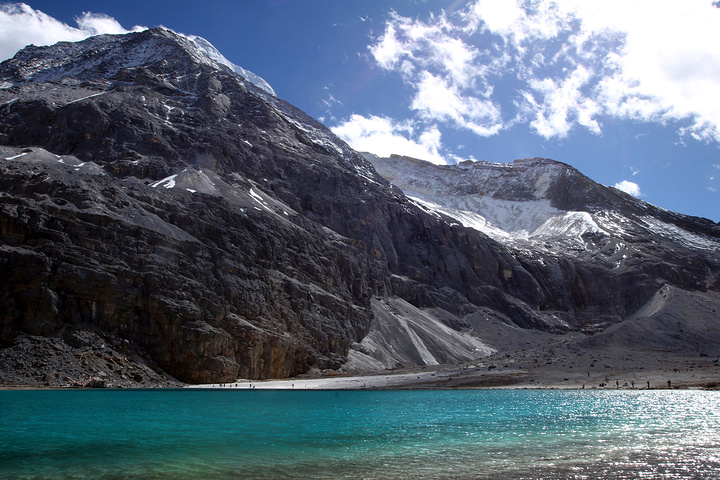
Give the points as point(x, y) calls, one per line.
point(670, 62)
point(389, 48)
point(519, 21)
point(630, 188)
point(383, 137)
point(445, 72)
point(21, 25)
point(437, 100)
point(563, 64)
point(98, 23)
point(563, 104)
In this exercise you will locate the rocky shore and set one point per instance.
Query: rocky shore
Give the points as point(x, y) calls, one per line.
point(78, 359)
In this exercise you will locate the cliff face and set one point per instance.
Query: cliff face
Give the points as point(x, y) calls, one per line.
point(156, 200)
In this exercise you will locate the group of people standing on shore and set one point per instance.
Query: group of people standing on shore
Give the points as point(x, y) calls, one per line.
point(632, 384)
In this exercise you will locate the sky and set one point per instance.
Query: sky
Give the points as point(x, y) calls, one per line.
point(626, 91)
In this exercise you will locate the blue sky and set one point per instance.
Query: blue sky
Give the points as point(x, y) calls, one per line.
point(625, 91)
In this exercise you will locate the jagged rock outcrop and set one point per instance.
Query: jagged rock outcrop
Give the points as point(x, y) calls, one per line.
point(154, 197)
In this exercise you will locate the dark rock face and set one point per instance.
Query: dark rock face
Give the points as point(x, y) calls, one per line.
point(126, 260)
point(158, 200)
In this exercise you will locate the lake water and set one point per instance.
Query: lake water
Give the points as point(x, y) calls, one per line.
point(255, 434)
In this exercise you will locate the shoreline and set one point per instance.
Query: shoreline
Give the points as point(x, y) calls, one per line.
point(539, 369)
point(520, 369)
point(476, 380)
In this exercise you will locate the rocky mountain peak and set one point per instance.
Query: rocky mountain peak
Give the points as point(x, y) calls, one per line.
point(527, 197)
point(105, 83)
point(521, 180)
point(108, 57)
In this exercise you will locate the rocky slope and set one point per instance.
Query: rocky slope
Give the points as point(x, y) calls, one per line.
point(164, 215)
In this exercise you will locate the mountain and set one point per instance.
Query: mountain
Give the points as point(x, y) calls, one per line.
point(165, 217)
point(585, 243)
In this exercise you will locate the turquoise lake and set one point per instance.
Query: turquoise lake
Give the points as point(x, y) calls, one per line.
point(450, 434)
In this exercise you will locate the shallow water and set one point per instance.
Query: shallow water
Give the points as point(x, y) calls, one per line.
point(479, 434)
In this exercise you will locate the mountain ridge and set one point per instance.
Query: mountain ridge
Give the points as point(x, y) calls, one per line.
point(166, 216)
point(569, 189)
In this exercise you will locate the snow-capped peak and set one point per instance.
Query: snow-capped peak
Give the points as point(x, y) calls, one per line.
point(214, 54)
point(505, 201)
point(77, 60)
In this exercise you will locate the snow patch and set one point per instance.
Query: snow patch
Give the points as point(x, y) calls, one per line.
point(499, 219)
point(17, 156)
point(167, 182)
point(465, 218)
point(260, 200)
point(569, 224)
point(84, 98)
point(680, 235)
point(613, 223)
point(214, 55)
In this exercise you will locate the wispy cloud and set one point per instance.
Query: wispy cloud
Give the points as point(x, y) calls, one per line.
point(21, 25)
point(439, 100)
point(630, 188)
point(562, 64)
point(446, 72)
point(383, 136)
